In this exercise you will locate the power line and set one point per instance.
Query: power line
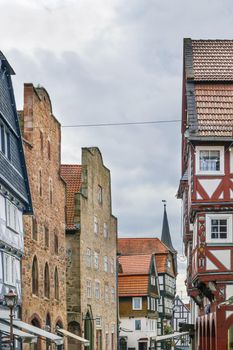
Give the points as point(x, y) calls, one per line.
point(121, 123)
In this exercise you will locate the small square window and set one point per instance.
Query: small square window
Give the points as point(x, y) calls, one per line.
point(209, 160)
point(218, 228)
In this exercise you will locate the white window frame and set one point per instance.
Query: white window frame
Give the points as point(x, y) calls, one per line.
point(106, 231)
point(96, 261)
point(96, 225)
point(227, 217)
point(105, 264)
point(88, 288)
point(97, 290)
point(88, 257)
point(152, 280)
point(134, 307)
point(98, 322)
point(9, 269)
point(209, 172)
point(12, 216)
point(140, 322)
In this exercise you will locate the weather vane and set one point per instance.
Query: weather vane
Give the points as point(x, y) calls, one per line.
point(164, 202)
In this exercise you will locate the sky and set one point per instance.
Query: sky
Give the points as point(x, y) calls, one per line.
point(108, 61)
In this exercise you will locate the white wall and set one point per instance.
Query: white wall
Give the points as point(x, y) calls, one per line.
point(132, 337)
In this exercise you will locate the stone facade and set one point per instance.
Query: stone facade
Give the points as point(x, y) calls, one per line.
point(44, 263)
point(91, 239)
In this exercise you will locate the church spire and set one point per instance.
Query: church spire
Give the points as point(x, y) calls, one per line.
point(166, 237)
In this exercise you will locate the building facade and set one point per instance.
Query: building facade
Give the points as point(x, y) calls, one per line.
point(206, 188)
point(181, 314)
point(138, 291)
point(91, 239)
point(15, 199)
point(44, 262)
point(166, 264)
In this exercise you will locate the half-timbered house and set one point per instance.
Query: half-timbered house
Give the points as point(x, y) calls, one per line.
point(181, 314)
point(15, 199)
point(206, 188)
point(138, 291)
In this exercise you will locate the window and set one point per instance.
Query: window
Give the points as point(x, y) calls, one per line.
point(88, 257)
point(137, 303)
point(12, 216)
point(112, 265)
point(88, 288)
point(218, 228)
point(40, 183)
point(209, 160)
point(168, 264)
point(41, 142)
point(9, 269)
point(96, 225)
point(97, 290)
point(106, 231)
point(99, 194)
point(5, 146)
point(56, 246)
point(49, 150)
point(46, 281)
point(34, 229)
point(35, 276)
point(46, 236)
point(56, 284)
point(113, 294)
point(105, 264)
point(153, 304)
point(106, 294)
point(98, 322)
point(152, 280)
point(96, 261)
point(137, 325)
point(50, 191)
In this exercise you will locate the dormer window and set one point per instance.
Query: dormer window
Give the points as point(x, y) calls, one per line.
point(209, 160)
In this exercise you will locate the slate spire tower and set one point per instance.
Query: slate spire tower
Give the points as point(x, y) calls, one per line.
point(166, 236)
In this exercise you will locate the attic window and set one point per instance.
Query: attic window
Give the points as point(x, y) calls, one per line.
point(168, 264)
point(209, 160)
point(152, 280)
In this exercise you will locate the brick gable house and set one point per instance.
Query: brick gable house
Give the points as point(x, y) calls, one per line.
point(44, 263)
point(91, 240)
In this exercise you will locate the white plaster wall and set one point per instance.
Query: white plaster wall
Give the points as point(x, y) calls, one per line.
point(229, 291)
point(132, 337)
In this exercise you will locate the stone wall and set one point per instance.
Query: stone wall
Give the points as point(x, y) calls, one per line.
point(41, 133)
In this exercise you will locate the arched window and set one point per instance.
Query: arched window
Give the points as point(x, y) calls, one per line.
point(49, 150)
point(36, 346)
point(56, 284)
point(40, 183)
point(46, 281)
point(46, 236)
point(35, 276)
point(34, 228)
point(56, 247)
point(50, 191)
point(41, 142)
point(48, 329)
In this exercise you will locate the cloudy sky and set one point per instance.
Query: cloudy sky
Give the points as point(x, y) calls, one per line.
point(107, 61)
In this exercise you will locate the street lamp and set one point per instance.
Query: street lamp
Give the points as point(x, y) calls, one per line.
point(11, 300)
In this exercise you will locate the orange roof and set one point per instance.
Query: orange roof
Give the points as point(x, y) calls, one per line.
point(142, 246)
point(214, 106)
point(135, 264)
point(71, 174)
point(212, 60)
point(132, 285)
point(128, 246)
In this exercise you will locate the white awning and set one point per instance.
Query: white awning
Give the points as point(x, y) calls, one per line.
point(38, 331)
point(74, 336)
point(26, 337)
point(169, 336)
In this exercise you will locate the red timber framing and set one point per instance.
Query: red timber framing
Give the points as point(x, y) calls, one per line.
point(206, 189)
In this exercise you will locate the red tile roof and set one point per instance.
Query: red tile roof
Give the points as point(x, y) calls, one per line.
point(135, 264)
point(141, 245)
point(132, 285)
point(71, 174)
point(214, 107)
point(132, 246)
point(212, 60)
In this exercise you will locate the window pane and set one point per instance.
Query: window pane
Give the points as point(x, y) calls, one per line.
point(210, 160)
